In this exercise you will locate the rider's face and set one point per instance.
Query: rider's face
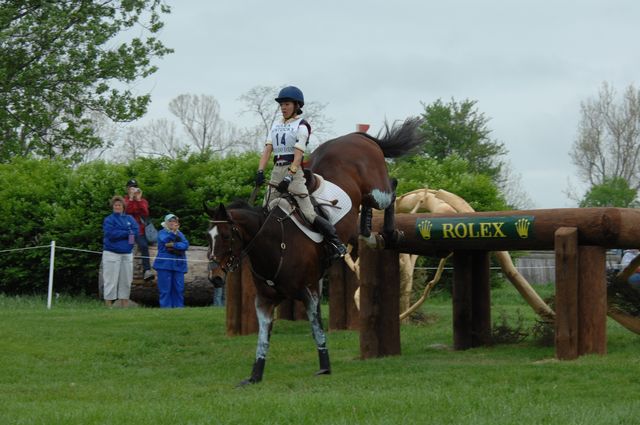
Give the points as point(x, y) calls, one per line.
point(287, 108)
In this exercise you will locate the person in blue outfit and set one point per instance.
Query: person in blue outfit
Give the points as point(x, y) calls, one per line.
point(120, 231)
point(171, 263)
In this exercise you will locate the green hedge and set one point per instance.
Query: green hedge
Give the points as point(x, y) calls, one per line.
point(47, 200)
point(52, 200)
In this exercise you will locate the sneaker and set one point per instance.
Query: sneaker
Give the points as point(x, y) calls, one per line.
point(148, 275)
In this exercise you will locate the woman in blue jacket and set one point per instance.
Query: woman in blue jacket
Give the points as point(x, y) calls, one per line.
point(117, 253)
point(171, 263)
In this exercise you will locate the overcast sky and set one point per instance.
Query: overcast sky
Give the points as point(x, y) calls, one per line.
point(528, 64)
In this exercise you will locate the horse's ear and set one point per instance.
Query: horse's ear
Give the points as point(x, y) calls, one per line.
point(211, 212)
point(222, 212)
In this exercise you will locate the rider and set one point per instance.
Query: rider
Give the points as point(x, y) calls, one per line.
point(289, 137)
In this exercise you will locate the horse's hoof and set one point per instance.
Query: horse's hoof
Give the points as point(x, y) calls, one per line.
point(246, 382)
point(323, 372)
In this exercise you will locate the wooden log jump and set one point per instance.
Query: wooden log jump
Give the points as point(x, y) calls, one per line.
point(579, 237)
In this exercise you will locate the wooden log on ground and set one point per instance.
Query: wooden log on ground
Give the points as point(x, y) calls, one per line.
point(198, 291)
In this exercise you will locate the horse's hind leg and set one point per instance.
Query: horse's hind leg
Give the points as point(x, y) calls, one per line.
point(312, 305)
point(264, 311)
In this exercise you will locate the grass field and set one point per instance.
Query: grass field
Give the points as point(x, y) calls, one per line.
point(80, 363)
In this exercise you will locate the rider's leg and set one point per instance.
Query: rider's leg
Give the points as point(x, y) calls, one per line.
point(329, 232)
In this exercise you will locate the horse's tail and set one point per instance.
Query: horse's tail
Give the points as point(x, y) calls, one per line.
point(400, 139)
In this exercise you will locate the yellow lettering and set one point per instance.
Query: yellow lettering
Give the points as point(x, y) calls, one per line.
point(498, 230)
point(485, 230)
point(447, 231)
point(461, 230)
point(473, 233)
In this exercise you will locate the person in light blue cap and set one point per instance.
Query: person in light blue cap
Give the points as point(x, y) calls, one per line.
point(171, 263)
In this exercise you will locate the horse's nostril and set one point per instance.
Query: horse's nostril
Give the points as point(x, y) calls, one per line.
point(217, 281)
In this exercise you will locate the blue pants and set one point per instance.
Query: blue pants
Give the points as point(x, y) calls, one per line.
point(219, 296)
point(171, 288)
point(143, 246)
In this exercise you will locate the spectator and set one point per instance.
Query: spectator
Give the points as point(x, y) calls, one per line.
point(117, 257)
point(219, 296)
point(627, 258)
point(171, 263)
point(138, 208)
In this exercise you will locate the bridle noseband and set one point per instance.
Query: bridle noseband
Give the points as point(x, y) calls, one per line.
point(233, 260)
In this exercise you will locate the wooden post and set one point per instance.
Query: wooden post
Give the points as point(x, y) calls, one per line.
point(481, 299)
point(234, 303)
point(379, 303)
point(337, 298)
point(240, 303)
point(462, 295)
point(343, 313)
point(592, 300)
point(292, 310)
point(566, 327)
point(248, 317)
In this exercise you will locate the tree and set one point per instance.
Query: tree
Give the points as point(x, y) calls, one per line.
point(613, 192)
point(608, 142)
point(459, 128)
point(61, 60)
point(200, 118)
point(260, 102)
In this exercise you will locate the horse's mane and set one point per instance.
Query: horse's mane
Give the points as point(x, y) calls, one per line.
point(241, 204)
point(399, 140)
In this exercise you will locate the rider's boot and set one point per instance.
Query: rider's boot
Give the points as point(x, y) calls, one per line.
point(329, 232)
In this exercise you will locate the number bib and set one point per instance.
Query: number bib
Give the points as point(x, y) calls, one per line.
point(284, 137)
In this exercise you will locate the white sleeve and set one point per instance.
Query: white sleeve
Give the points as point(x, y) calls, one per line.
point(302, 137)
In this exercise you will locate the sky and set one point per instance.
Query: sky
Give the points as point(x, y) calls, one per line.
point(527, 64)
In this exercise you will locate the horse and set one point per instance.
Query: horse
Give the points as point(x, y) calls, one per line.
point(285, 263)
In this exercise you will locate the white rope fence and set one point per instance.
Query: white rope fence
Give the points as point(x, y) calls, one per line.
point(52, 246)
point(52, 257)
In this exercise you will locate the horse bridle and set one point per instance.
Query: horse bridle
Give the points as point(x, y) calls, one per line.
point(233, 260)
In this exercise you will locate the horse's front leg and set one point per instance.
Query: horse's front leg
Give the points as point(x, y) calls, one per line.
point(264, 311)
point(312, 305)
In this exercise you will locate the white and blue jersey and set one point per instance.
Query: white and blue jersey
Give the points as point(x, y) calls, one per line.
point(287, 136)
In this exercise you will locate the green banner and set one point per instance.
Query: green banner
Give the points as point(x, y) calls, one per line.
point(516, 227)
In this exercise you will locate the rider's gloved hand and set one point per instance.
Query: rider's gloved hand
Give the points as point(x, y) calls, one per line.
point(259, 178)
point(284, 184)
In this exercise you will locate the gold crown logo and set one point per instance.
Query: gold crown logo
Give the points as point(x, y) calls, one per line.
point(522, 227)
point(425, 229)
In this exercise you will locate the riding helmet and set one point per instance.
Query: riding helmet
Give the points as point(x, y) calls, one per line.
point(291, 93)
point(132, 183)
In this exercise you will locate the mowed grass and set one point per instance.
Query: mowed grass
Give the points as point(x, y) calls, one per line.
point(80, 363)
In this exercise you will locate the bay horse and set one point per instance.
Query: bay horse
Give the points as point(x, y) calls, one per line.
point(285, 263)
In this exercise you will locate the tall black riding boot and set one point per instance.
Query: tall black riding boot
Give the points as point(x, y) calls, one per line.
point(329, 232)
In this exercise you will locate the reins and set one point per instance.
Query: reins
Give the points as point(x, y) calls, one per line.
point(234, 261)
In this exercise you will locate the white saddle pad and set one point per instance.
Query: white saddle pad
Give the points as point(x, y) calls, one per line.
point(326, 193)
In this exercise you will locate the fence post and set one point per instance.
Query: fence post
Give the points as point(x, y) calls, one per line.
point(52, 258)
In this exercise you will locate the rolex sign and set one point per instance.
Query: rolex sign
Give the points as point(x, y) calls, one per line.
point(516, 227)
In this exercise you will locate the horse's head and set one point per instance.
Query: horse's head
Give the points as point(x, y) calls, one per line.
point(225, 244)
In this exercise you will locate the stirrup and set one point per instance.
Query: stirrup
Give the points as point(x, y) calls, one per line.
point(339, 250)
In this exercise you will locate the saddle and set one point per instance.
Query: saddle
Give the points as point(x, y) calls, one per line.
point(328, 200)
